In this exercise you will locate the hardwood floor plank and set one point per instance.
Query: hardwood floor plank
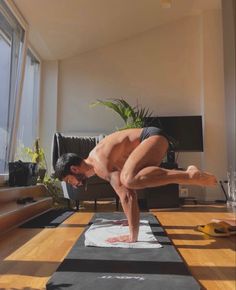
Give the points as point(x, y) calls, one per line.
point(212, 261)
point(28, 257)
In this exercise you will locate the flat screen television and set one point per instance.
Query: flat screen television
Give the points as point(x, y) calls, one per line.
point(186, 130)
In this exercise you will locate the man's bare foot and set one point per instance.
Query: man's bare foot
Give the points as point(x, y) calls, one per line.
point(200, 177)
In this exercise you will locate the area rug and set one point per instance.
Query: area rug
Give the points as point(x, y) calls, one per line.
point(50, 219)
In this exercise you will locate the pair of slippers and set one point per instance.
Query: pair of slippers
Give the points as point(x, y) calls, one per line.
point(217, 229)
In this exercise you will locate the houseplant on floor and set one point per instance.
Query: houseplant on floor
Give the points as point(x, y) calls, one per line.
point(133, 116)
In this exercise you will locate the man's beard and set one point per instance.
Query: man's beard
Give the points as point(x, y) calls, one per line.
point(81, 178)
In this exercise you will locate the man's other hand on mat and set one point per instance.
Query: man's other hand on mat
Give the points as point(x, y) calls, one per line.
point(121, 239)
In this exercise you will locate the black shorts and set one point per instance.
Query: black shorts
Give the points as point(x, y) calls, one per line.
point(154, 131)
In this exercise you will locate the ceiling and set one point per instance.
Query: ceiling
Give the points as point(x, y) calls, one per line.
point(60, 29)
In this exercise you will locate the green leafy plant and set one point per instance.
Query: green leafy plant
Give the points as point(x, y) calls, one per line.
point(39, 155)
point(133, 116)
point(35, 154)
point(54, 188)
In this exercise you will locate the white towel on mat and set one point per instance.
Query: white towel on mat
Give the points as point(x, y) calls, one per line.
point(102, 229)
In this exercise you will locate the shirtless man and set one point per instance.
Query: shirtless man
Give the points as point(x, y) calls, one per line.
point(129, 160)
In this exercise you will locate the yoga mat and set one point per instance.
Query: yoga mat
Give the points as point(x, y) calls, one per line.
point(90, 268)
point(50, 219)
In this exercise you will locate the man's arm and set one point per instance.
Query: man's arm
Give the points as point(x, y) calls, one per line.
point(127, 196)
point(129, 204)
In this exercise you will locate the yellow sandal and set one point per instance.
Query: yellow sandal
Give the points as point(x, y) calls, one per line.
point(231, 229)
point(214, 229)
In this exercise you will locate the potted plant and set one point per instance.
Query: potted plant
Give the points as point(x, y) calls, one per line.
point(133, 116)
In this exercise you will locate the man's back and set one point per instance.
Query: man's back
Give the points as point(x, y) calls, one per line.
point(114, 149)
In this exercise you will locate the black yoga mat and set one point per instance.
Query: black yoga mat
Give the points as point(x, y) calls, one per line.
point(90, 268)
point(50, 219)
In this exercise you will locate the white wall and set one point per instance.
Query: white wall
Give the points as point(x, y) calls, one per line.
point(48, 113)
point(229, 27)
point(160, 69)
point(215, 157)
point(165, 69)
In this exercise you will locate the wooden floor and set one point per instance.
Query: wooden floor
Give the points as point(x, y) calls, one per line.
point(28, 257)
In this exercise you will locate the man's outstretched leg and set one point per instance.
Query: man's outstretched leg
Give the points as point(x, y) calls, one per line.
point(153, 176)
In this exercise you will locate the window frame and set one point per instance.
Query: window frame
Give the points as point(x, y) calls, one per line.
point(38, 59)
point(36, 55)
point(26, 45)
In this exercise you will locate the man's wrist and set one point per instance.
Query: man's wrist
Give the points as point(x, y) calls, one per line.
point(133, 237)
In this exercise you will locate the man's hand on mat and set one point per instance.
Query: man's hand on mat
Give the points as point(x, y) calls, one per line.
point(121, 239)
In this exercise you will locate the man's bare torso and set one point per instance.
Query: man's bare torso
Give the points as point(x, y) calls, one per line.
point(112, 152)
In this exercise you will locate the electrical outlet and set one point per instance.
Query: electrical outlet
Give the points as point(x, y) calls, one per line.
point(183, 192)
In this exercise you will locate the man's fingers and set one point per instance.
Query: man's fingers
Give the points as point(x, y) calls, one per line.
point(124, 239)
point(111, 240)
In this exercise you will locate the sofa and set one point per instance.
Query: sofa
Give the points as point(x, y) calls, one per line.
point(97, 188)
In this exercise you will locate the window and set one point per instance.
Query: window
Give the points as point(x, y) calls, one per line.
point(11, 55)
point(28, 117)
point(5, 61)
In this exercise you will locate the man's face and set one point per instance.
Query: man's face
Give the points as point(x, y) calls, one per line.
point(75, 180)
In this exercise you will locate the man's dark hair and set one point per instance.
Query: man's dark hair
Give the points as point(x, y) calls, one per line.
point(64, 162)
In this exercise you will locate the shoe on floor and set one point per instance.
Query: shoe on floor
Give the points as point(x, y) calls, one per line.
point(215, 229)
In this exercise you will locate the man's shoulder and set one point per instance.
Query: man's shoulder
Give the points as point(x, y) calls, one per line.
point(97, 154)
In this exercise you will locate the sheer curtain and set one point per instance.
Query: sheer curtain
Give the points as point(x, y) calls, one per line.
point(11, 56)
